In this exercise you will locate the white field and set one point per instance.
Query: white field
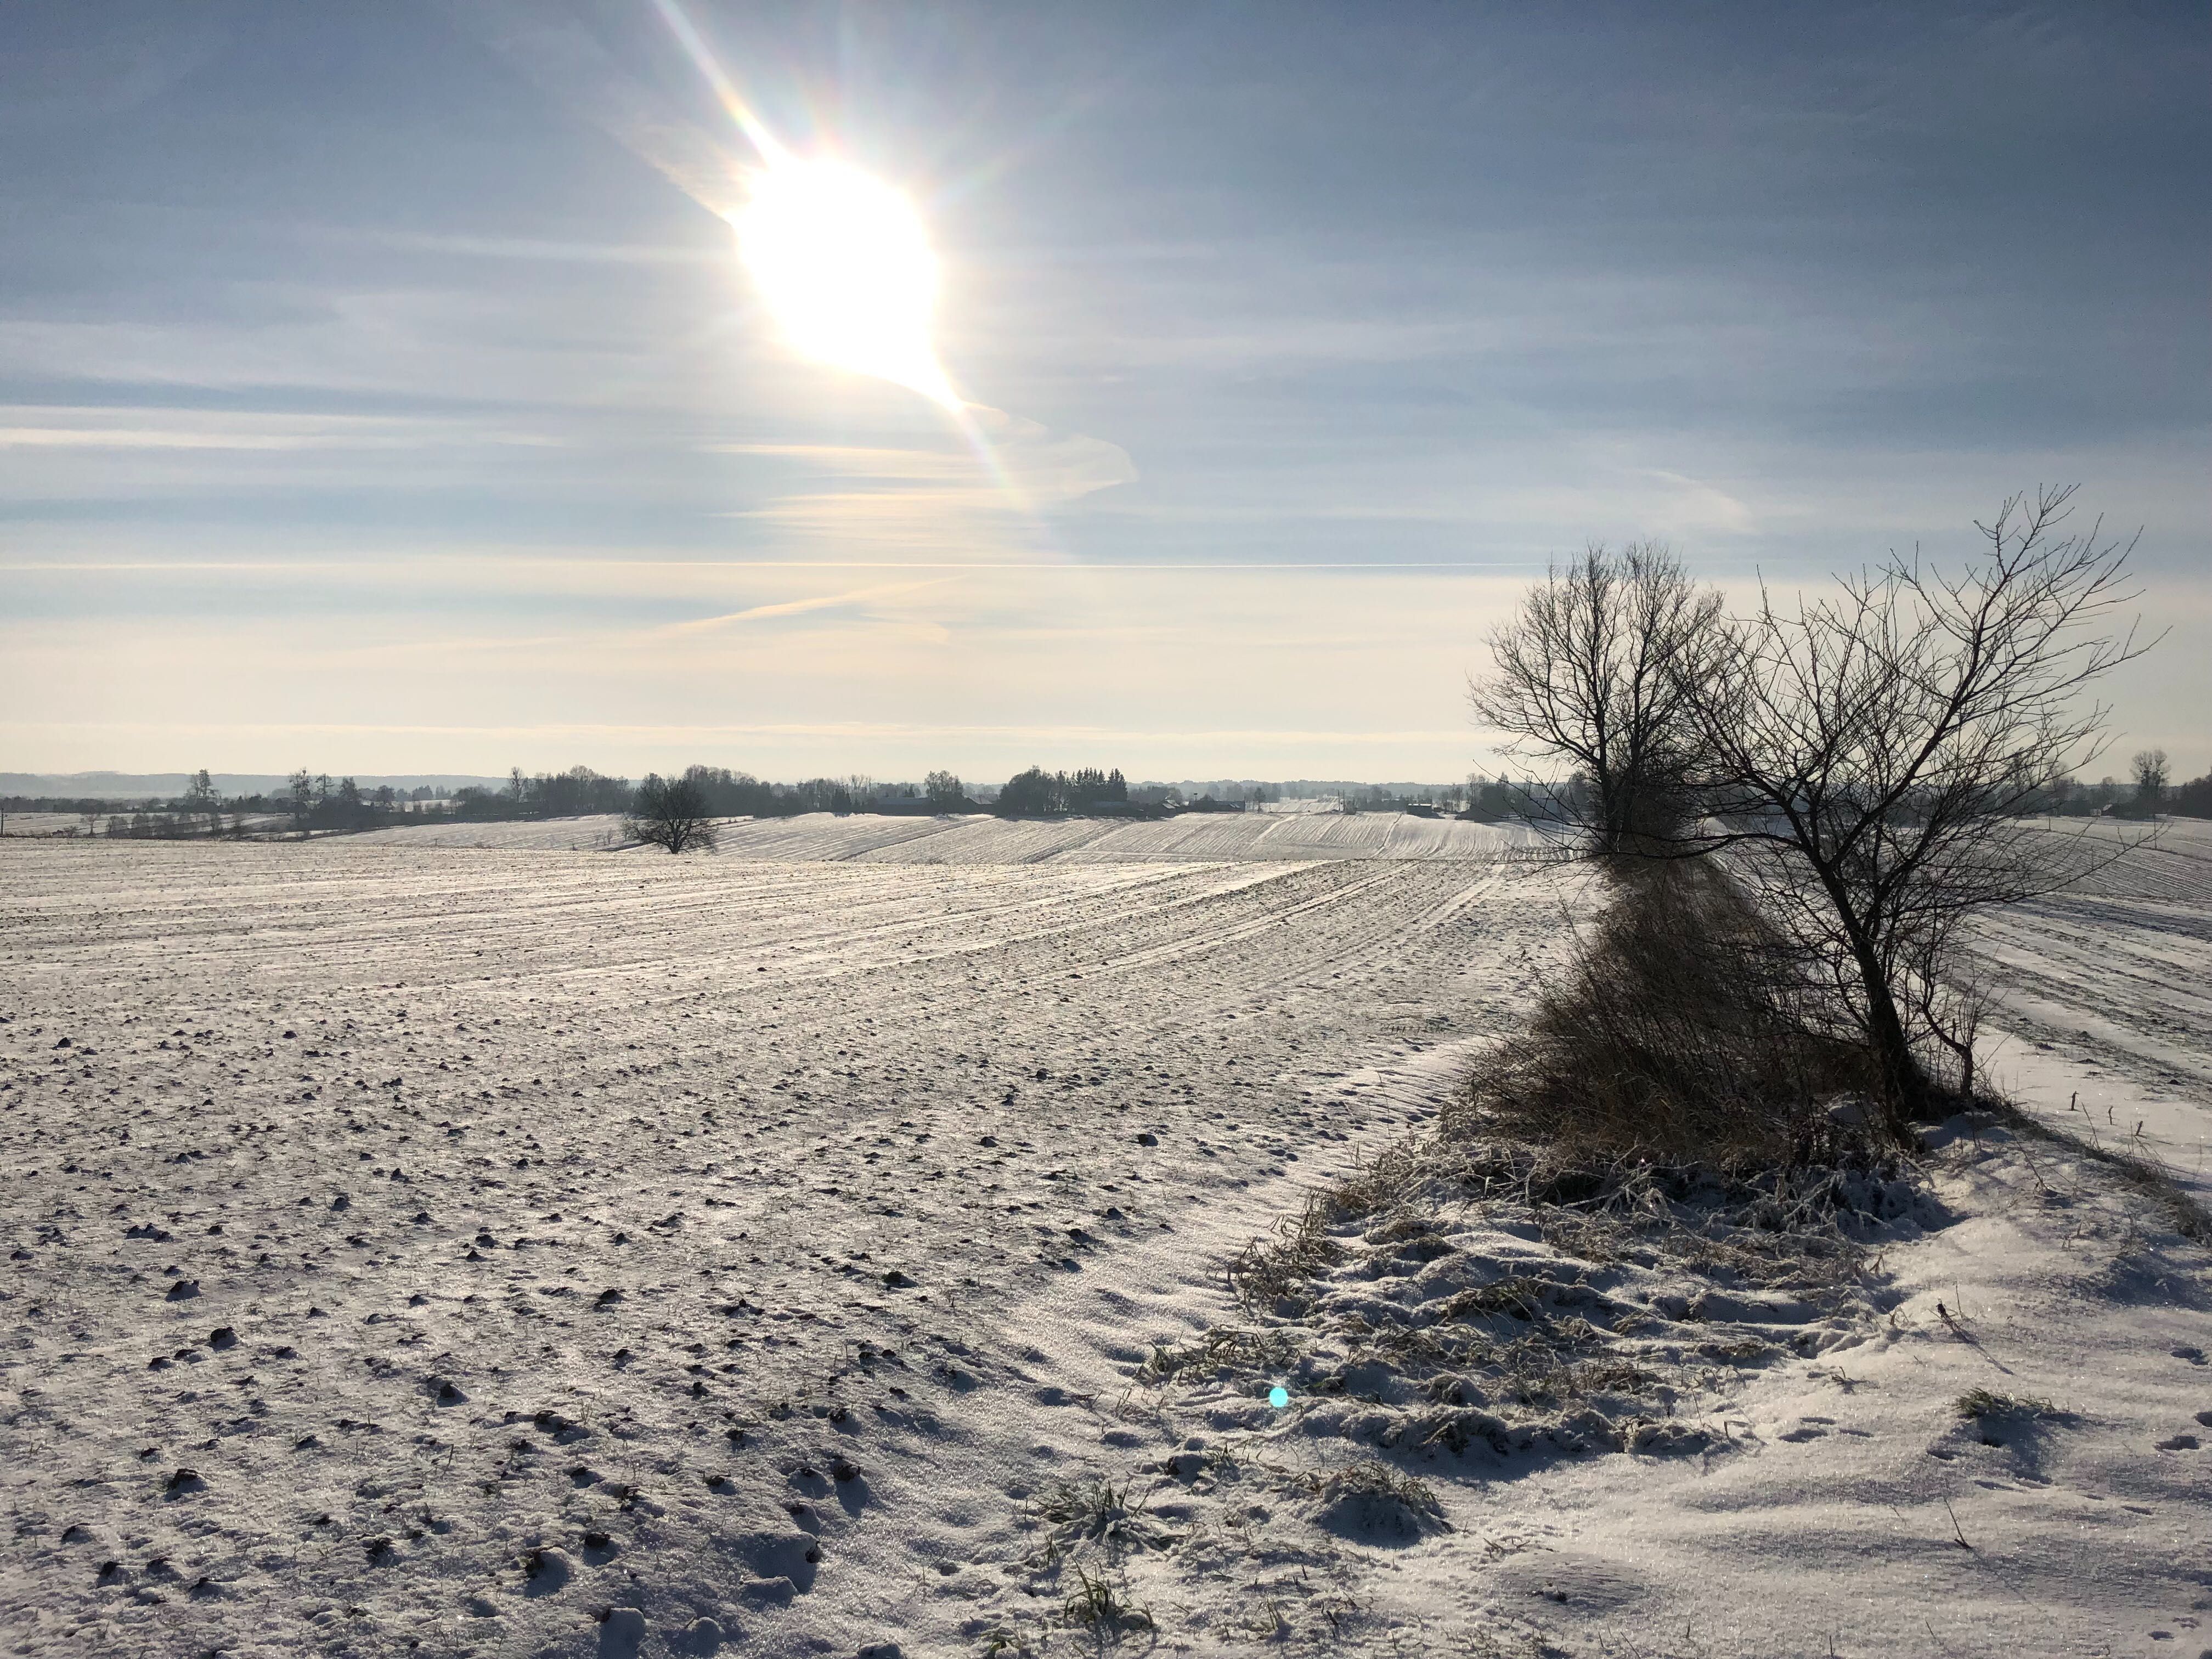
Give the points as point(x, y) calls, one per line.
point(1210, 837)
point(2103, 1000)
point(517, 1180)
point(46, 823)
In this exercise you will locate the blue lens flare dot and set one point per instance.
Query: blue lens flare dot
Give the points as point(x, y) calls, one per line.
point(1278, 1397)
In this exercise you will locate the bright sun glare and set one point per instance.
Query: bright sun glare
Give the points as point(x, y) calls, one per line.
point(844, 266)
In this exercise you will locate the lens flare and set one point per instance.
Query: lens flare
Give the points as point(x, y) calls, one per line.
point(845, 267)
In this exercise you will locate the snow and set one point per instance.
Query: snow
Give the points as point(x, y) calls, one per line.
point(870, 838)
point(602, 1253)
point(45, 823)
point(2103, 1003)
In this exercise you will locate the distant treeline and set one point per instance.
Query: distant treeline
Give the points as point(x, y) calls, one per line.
point(315, 802)
point(2146, 797)
point(1030, 793)
point(730, 794)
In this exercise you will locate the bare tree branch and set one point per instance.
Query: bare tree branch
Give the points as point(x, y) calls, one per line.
point(1874, 755)
point(1593, 675)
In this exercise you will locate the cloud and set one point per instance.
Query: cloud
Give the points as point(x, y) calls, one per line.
point(840, 730)
point(1698, 505)
point(1019, 455)
point(796, 607)
point(990, 504)
point(530, 249)
point(140, 427)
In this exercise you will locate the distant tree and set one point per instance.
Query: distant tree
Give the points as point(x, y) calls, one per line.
point(2193, 799)
point(2151, 774)
point(1595, 674)
point(944, 791)
point(2058, 797)
point(820, 795)
point(199, 794)
point(578, 790)
point(1492, 801)
point(671, 813)
point(1087, 785)
point(1031, 794)
point(1037, 791)
point(733, 795)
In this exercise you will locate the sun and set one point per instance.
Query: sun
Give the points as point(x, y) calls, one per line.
point(845, 267)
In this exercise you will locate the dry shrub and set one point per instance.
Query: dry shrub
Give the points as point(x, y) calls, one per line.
point(1688, 1027)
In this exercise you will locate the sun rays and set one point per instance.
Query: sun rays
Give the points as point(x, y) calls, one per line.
point(840, 260)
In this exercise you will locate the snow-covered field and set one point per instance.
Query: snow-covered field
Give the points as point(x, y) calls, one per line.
point(43, 823)
point(2102, 999)
point(823, 1246)
point(1199, 836)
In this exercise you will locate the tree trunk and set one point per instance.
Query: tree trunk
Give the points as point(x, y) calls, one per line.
point(1904, 1082)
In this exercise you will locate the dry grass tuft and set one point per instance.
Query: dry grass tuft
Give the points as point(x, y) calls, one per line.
point(1224, 1349)
point(1376, 1478)
point(1383, 1182)
point(1097, 1606)
point(1085, 1509)
point(1981, 1405)
point(1280, 1266)
point(1376, 1501)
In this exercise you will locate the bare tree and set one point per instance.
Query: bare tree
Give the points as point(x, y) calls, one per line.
point(1874, 754)
point(669, 812)
point(2151, 776)
point(944, 791)
point(1595, 673)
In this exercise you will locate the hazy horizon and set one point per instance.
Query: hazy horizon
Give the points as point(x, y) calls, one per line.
point(385, 390)
point(158, 785)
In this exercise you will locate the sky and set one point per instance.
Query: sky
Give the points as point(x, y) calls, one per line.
point(381, 388)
